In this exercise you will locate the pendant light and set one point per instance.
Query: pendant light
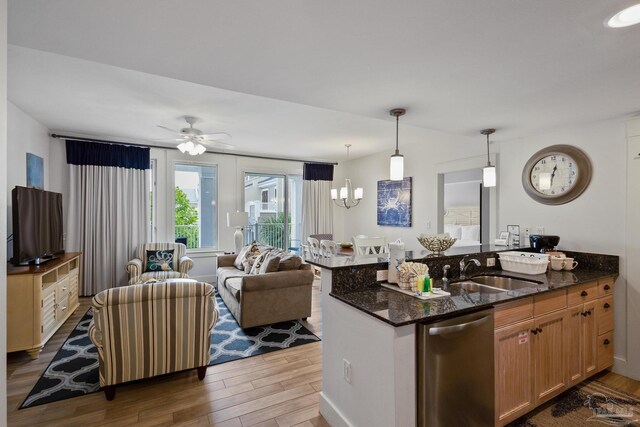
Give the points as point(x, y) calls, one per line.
point(348, 196)
point(489, 171)
point(396, 165)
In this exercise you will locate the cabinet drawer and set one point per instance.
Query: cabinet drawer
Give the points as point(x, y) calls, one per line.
point(512, 312)
point(604, 314)
point(549, 302)
point(582, 293)
point(62, 309)
point(605, 286)
point(62, 289)
point(605, 350)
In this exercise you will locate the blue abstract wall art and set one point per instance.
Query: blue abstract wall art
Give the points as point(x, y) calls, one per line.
point(394, 203)
point(35, 171)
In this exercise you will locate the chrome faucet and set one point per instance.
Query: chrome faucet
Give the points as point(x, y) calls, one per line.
point(464, 264)
point(445, 273)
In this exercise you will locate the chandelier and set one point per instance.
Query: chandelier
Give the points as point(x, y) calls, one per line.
point(348, 196)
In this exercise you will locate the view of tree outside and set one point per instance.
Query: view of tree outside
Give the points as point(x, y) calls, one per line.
point(271, 230)
point(186, 219)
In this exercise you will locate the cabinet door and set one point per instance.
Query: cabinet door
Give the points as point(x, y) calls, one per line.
point(575, 358)
point(513, 371)
point(549, 345)
point(589, 338)
point(49, 319)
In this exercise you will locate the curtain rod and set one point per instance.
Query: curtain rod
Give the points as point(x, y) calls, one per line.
point(55, 135)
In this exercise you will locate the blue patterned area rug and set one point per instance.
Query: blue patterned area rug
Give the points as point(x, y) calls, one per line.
point(74, 369)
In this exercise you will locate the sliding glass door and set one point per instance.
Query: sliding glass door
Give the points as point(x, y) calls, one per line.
point(274, 205)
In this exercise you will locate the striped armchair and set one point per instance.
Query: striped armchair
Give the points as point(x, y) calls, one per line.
point(136, 268)
point(146, 330)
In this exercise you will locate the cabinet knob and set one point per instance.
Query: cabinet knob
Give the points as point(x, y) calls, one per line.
point(584, 313)
point(534, 331)
point(607, 287)
point(583, 294)
point(606, 341)
point(606, 305)
point(539, 330)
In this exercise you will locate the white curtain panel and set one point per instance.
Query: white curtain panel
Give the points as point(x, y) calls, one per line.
point(108, 211)
point(317, 208)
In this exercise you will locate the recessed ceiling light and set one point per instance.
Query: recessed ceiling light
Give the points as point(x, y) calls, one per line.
point(625, 18)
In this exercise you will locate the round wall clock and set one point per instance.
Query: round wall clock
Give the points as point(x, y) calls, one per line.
point(557, 174)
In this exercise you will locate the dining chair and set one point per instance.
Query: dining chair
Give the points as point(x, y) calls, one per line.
point(328, 248)
point(315, 251)
point(370, 245)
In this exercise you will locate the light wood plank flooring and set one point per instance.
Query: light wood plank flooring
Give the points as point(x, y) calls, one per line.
point(272, 390)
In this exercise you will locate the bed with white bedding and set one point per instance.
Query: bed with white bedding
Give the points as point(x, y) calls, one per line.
point(463, 224)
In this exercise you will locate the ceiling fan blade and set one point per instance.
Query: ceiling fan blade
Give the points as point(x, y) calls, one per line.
point(217, 135)
point(170, 130)
point(217, 144)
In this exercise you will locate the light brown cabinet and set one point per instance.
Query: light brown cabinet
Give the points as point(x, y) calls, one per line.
point(550, 342)
point(41, 300)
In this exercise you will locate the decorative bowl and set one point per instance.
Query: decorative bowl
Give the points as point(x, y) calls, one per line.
point(437, 243)
point(345, 244)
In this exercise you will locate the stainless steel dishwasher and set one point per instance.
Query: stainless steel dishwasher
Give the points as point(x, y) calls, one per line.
point(456, 371)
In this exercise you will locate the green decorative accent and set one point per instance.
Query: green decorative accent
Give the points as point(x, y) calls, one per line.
point(161, 260)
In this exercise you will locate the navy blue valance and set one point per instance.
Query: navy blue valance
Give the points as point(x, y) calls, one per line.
point(115, 155)
point(317, 172)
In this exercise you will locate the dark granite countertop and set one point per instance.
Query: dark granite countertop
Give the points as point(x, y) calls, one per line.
point(399, 309)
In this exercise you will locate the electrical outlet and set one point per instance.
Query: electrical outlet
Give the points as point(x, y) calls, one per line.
point(428, 224)
point(382, 275)
point(491, 262)
point(347, 370)
point(527, 233)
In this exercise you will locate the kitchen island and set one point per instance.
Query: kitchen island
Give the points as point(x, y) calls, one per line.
point(369, 331)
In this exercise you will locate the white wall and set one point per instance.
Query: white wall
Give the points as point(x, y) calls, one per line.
point(3, 210)
point(462, 194)
point(423, 151)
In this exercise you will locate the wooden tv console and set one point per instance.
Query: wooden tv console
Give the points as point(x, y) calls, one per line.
point(39, 300)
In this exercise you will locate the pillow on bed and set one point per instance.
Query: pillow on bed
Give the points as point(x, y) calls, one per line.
point(454, 230)
point(471, 232)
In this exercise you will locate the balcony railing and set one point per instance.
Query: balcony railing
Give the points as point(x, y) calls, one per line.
point(271, 234)
point(191, 232)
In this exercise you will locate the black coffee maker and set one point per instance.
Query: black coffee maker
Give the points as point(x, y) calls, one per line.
point(543, 243)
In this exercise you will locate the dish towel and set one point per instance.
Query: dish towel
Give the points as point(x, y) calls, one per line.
point(396, 257)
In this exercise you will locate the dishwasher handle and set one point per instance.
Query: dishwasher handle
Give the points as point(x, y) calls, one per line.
point(442, 330)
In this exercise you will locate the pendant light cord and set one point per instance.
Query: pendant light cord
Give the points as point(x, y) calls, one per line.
point(397, 127)
point(488, 159)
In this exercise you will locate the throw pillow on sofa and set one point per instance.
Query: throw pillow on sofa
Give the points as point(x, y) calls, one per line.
point(288, 260)
point(242, 256)
point(160, 260)
point(270, 264)
point(260, 259)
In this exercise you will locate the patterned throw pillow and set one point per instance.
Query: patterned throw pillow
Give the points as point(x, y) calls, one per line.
point(288, 260)
point(160, 260)
point(255, 268)
point(270, 264)
point(251, 255)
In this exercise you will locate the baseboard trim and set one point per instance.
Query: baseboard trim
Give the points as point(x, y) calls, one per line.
point(207, 279)
point(330, 413)
point(621, 366)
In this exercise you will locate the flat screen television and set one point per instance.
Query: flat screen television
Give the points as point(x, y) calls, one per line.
point(37, 226)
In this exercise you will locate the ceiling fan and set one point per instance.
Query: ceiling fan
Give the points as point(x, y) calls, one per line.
point(193, 141)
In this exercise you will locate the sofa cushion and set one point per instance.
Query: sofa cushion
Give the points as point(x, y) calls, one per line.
point(288, 260)
point(270, 264)
point(234, 285)
point(225, 273)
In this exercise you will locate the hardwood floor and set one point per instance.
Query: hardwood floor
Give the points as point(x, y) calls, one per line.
point(272, 390)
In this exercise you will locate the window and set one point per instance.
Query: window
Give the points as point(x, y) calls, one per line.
point(196, 210)
point(267, 213)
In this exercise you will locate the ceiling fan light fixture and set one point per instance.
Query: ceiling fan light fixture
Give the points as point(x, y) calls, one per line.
point(396, 163)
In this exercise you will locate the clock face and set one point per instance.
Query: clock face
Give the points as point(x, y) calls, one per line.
point(554, 174)
point(557, 174)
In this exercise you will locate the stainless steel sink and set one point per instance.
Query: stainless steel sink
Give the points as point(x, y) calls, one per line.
point(504, 282)
point(476, 287)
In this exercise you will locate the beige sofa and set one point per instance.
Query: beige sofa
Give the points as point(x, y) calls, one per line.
point(263, 299)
